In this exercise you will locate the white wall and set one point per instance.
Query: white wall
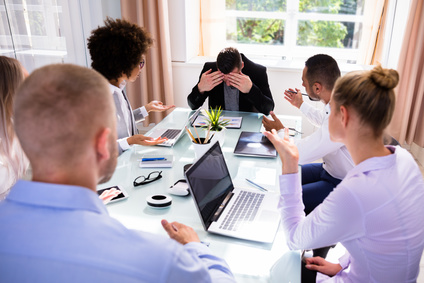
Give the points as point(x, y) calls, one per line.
point(184, 30)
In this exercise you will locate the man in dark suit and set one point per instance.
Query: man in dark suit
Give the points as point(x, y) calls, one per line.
point(234, 83)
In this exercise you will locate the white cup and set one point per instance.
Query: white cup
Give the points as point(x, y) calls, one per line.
point(200, 148)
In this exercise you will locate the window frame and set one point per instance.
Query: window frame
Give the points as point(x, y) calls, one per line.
point(290, 50)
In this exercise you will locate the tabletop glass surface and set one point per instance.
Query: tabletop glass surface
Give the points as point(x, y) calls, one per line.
point(249, 261)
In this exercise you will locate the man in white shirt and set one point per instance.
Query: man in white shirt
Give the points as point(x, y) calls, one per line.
point(318, 179)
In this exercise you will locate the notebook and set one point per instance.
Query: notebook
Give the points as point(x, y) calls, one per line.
point(173, 135)
point(242, 213)
point(254, 144)
point(156, 161)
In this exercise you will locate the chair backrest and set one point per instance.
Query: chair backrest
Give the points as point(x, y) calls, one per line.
point(389, 140)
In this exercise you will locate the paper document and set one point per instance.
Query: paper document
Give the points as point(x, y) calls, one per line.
point(265, 177)
point(233, 122)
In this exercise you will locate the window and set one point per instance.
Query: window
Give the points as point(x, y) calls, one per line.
point(41, 32)
point(296, 28)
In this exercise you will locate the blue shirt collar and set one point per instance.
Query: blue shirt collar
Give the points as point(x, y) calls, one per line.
point(56, 196)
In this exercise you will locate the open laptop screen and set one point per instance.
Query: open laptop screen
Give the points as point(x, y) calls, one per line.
point(210, 182)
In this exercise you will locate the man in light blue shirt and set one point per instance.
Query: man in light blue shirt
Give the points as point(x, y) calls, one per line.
point(55, 228)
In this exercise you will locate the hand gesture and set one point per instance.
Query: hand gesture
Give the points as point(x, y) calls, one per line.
point(108, 195)
point(143, 140)
point(294, 98)
point(321, 265)
point(157, 106)
point(286, 149)
point(272, 124)
point(209, 80)
point(180, 232)
point(240, 81)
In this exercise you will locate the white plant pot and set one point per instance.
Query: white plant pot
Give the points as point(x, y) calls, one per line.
point(219, 136)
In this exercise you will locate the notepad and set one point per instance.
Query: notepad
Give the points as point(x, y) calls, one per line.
point(233, 122)
point(156, 161)
point(254, 144)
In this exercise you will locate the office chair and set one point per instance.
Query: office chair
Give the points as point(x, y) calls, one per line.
point(389, 140)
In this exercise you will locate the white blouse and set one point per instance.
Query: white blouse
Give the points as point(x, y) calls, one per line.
point(9, 175)
point(376, 212)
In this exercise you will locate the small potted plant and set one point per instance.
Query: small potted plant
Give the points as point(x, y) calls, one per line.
point(216, 124)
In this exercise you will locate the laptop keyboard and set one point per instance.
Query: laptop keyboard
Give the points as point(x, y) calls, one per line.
point(243, 210)
point(171, 133)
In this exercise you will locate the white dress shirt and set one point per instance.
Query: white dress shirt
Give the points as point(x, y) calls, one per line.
point(376, 212)
point(12, 167)
point(336, 158)
point(124, 115)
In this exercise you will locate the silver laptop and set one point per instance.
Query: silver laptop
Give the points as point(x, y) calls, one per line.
point(241, 213)
point(173, 135)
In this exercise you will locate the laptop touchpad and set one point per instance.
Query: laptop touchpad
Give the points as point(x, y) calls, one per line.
point(267, 216)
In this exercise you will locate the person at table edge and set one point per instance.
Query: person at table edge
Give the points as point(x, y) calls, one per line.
point(233, 83)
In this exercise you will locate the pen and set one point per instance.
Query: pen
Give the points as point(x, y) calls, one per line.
point(256, 185)
point(293, 129)
point(190, 134)
point(153, 159)
point(291, 91)
point(305, 94)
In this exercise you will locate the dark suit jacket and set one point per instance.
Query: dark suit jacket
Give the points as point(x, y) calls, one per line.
point(259, 99)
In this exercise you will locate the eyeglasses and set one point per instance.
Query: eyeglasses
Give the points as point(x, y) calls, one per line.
point(142, 63)
point(153, 176)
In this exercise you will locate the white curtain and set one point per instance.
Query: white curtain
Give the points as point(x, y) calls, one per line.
point(212, 27)
point(371, 32)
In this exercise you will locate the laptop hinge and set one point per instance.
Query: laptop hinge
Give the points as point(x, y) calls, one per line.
point(222, 206)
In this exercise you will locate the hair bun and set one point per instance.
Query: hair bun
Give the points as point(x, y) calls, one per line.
point(385, 78)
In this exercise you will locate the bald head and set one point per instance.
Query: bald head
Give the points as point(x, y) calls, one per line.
point(59, 112)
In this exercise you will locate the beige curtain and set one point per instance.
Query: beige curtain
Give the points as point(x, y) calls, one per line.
point(212, 27)
point(408, 120)
point(155, 81)
point(372, 32)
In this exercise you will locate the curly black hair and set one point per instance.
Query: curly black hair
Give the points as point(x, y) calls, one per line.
point(117, 48)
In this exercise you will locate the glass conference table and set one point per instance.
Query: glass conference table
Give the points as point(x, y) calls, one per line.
point(249, 261)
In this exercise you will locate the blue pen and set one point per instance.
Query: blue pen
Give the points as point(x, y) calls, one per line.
point(256, 185)
point(153, 159)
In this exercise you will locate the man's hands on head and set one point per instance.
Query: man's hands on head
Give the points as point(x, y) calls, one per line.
point(295, 99)
point(286, 149)
point(143, 140)
point(180, 232)
point(157, 106)
point(209, 80)
point(321, 265)
point(240, 81)
point(272, 124)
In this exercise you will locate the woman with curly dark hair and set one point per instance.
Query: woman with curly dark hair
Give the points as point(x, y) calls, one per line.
point(117, 52)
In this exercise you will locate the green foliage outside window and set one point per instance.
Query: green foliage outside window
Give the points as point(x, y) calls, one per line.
point(310, 33)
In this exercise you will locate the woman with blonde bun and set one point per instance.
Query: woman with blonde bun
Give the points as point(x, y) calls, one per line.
point(377, 211)
point(13, 162)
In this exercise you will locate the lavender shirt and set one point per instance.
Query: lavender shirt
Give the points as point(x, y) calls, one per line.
point(376, 212)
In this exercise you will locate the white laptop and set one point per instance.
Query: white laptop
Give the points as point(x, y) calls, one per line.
point(173, 135)
point(245, 213)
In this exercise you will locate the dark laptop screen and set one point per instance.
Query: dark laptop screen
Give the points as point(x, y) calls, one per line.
point(210, 182)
